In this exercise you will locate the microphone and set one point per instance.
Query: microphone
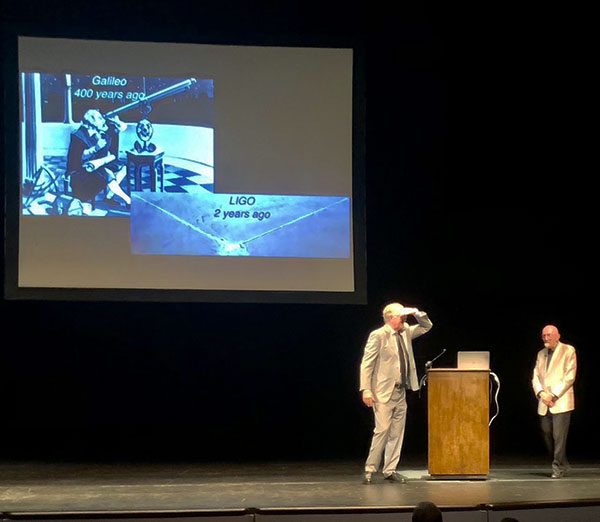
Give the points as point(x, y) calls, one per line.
point(429, 364)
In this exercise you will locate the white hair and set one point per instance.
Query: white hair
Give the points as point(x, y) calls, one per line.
point(392, 310)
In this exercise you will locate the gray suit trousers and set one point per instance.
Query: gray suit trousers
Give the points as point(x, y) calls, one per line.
point(555, 428)
point(388, 435)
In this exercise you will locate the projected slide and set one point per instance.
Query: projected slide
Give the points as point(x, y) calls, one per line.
point(92, 140)
point(143, 148)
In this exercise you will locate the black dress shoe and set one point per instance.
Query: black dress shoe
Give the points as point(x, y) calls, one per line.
point(368, 478)
point(395, 477)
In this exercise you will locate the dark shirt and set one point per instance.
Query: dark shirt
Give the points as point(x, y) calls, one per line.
point(81, 141)
point(86, 185)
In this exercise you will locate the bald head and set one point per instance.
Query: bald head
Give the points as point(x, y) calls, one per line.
point(550, 336)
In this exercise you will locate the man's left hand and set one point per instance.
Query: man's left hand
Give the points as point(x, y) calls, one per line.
point(547, 398)
point(118, 124)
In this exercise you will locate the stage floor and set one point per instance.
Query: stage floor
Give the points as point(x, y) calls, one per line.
point(61, 488)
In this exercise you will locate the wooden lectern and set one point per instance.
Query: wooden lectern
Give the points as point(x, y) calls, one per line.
point(458, 414)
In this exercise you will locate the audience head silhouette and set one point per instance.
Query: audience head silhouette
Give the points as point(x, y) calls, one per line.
point(426, 512)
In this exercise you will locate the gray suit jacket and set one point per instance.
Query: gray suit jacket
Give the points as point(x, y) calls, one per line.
point(380, 367)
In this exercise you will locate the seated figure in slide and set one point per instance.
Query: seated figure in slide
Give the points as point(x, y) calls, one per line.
point(92, 162)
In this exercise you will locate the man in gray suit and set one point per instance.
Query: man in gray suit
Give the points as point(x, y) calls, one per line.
point(386, 372)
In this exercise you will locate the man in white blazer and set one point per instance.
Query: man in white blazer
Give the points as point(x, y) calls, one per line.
point(386, 372)
point(553, 378)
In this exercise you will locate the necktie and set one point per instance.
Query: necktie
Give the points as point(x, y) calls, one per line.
point(401, 354)
point(549, 358)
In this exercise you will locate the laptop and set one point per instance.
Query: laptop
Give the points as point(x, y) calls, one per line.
point(473, 360)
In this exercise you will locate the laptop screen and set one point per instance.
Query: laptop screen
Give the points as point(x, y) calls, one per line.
point(473, 360)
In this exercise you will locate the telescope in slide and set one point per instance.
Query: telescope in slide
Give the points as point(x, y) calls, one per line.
point(146, 102)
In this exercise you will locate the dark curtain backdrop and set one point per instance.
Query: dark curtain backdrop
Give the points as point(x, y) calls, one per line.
point(480, 210)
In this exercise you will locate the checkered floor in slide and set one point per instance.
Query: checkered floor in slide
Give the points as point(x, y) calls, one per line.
point(177, 180)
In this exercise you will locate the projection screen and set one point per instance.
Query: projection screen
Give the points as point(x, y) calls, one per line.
point(153, 169)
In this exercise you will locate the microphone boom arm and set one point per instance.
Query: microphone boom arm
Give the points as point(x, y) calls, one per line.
point(429, 364)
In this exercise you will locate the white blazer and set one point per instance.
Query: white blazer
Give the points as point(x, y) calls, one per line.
point(380, 367)
point(558, 379)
